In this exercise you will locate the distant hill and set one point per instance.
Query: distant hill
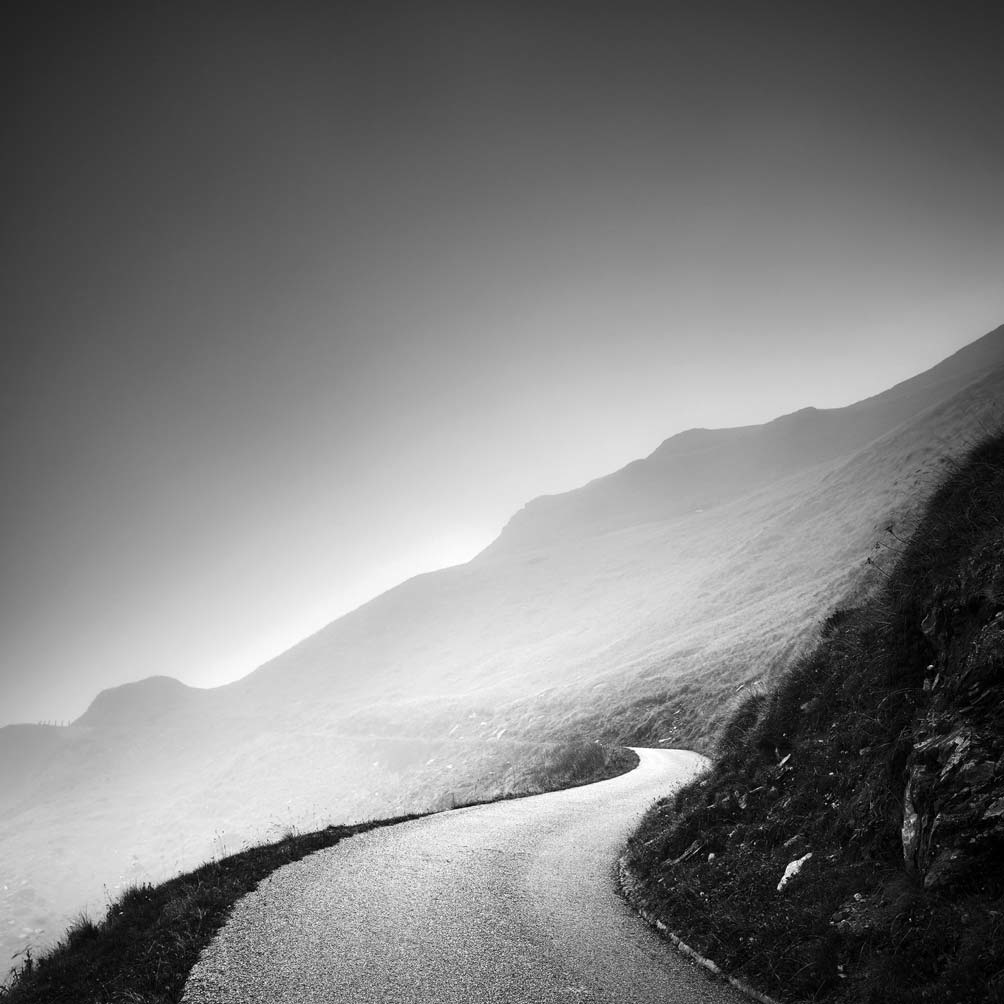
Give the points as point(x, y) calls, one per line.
point(144, 702)
point(629, 609)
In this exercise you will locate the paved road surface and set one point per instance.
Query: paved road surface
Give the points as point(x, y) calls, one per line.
point(510, 902)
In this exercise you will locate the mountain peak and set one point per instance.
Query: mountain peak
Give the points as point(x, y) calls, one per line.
point(138, 703)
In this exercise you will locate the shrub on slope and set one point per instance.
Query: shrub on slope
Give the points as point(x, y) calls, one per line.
point(878, 763)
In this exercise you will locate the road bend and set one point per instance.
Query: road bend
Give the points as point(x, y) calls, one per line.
point(509, 902)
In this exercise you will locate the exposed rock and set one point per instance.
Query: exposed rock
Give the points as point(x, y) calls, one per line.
point(911, 828)
point(953, 802)
point(946, 867)
point(995, 810)
point(792, 869)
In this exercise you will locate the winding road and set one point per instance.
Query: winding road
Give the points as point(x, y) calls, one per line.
point(508, 902)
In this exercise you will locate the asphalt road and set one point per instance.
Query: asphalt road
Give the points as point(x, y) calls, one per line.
point(509, 902)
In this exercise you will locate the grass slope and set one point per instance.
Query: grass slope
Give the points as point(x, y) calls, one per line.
point(881, 755)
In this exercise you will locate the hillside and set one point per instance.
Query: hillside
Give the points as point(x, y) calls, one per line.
point(876, 765)
point(702, 468)
point(725, 546)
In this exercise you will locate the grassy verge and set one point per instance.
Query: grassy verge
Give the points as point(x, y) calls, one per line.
point(878, 765)
point(151, 937)
point(149, 940)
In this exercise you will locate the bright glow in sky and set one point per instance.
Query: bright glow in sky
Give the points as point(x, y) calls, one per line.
point(303, 302)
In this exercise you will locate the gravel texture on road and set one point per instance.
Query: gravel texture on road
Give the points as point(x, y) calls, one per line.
point(509, 902)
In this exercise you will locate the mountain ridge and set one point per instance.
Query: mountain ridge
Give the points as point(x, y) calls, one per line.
point(796, 434)
point(434, 692)
point(743, 452)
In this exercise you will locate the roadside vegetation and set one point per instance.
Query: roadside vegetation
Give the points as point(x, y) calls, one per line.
point(142, 951)
point(872, 776)
point(151, 937)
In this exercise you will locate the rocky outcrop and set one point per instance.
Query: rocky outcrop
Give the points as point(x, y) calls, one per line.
point(953, 804)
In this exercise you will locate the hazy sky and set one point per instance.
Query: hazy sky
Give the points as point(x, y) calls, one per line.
point(300, 300)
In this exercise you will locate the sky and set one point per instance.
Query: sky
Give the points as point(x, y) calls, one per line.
point(300, 300)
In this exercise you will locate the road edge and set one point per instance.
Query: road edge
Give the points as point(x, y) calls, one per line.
point(631, 889)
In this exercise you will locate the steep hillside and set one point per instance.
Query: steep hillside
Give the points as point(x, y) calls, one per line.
point(705, 467)
point(873, 775)
point(443, 687)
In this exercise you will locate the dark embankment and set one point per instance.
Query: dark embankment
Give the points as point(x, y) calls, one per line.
point(148, 941)
point(881, 755)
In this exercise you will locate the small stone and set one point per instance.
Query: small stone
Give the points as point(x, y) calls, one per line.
point(792, 869)
point(995, 810)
